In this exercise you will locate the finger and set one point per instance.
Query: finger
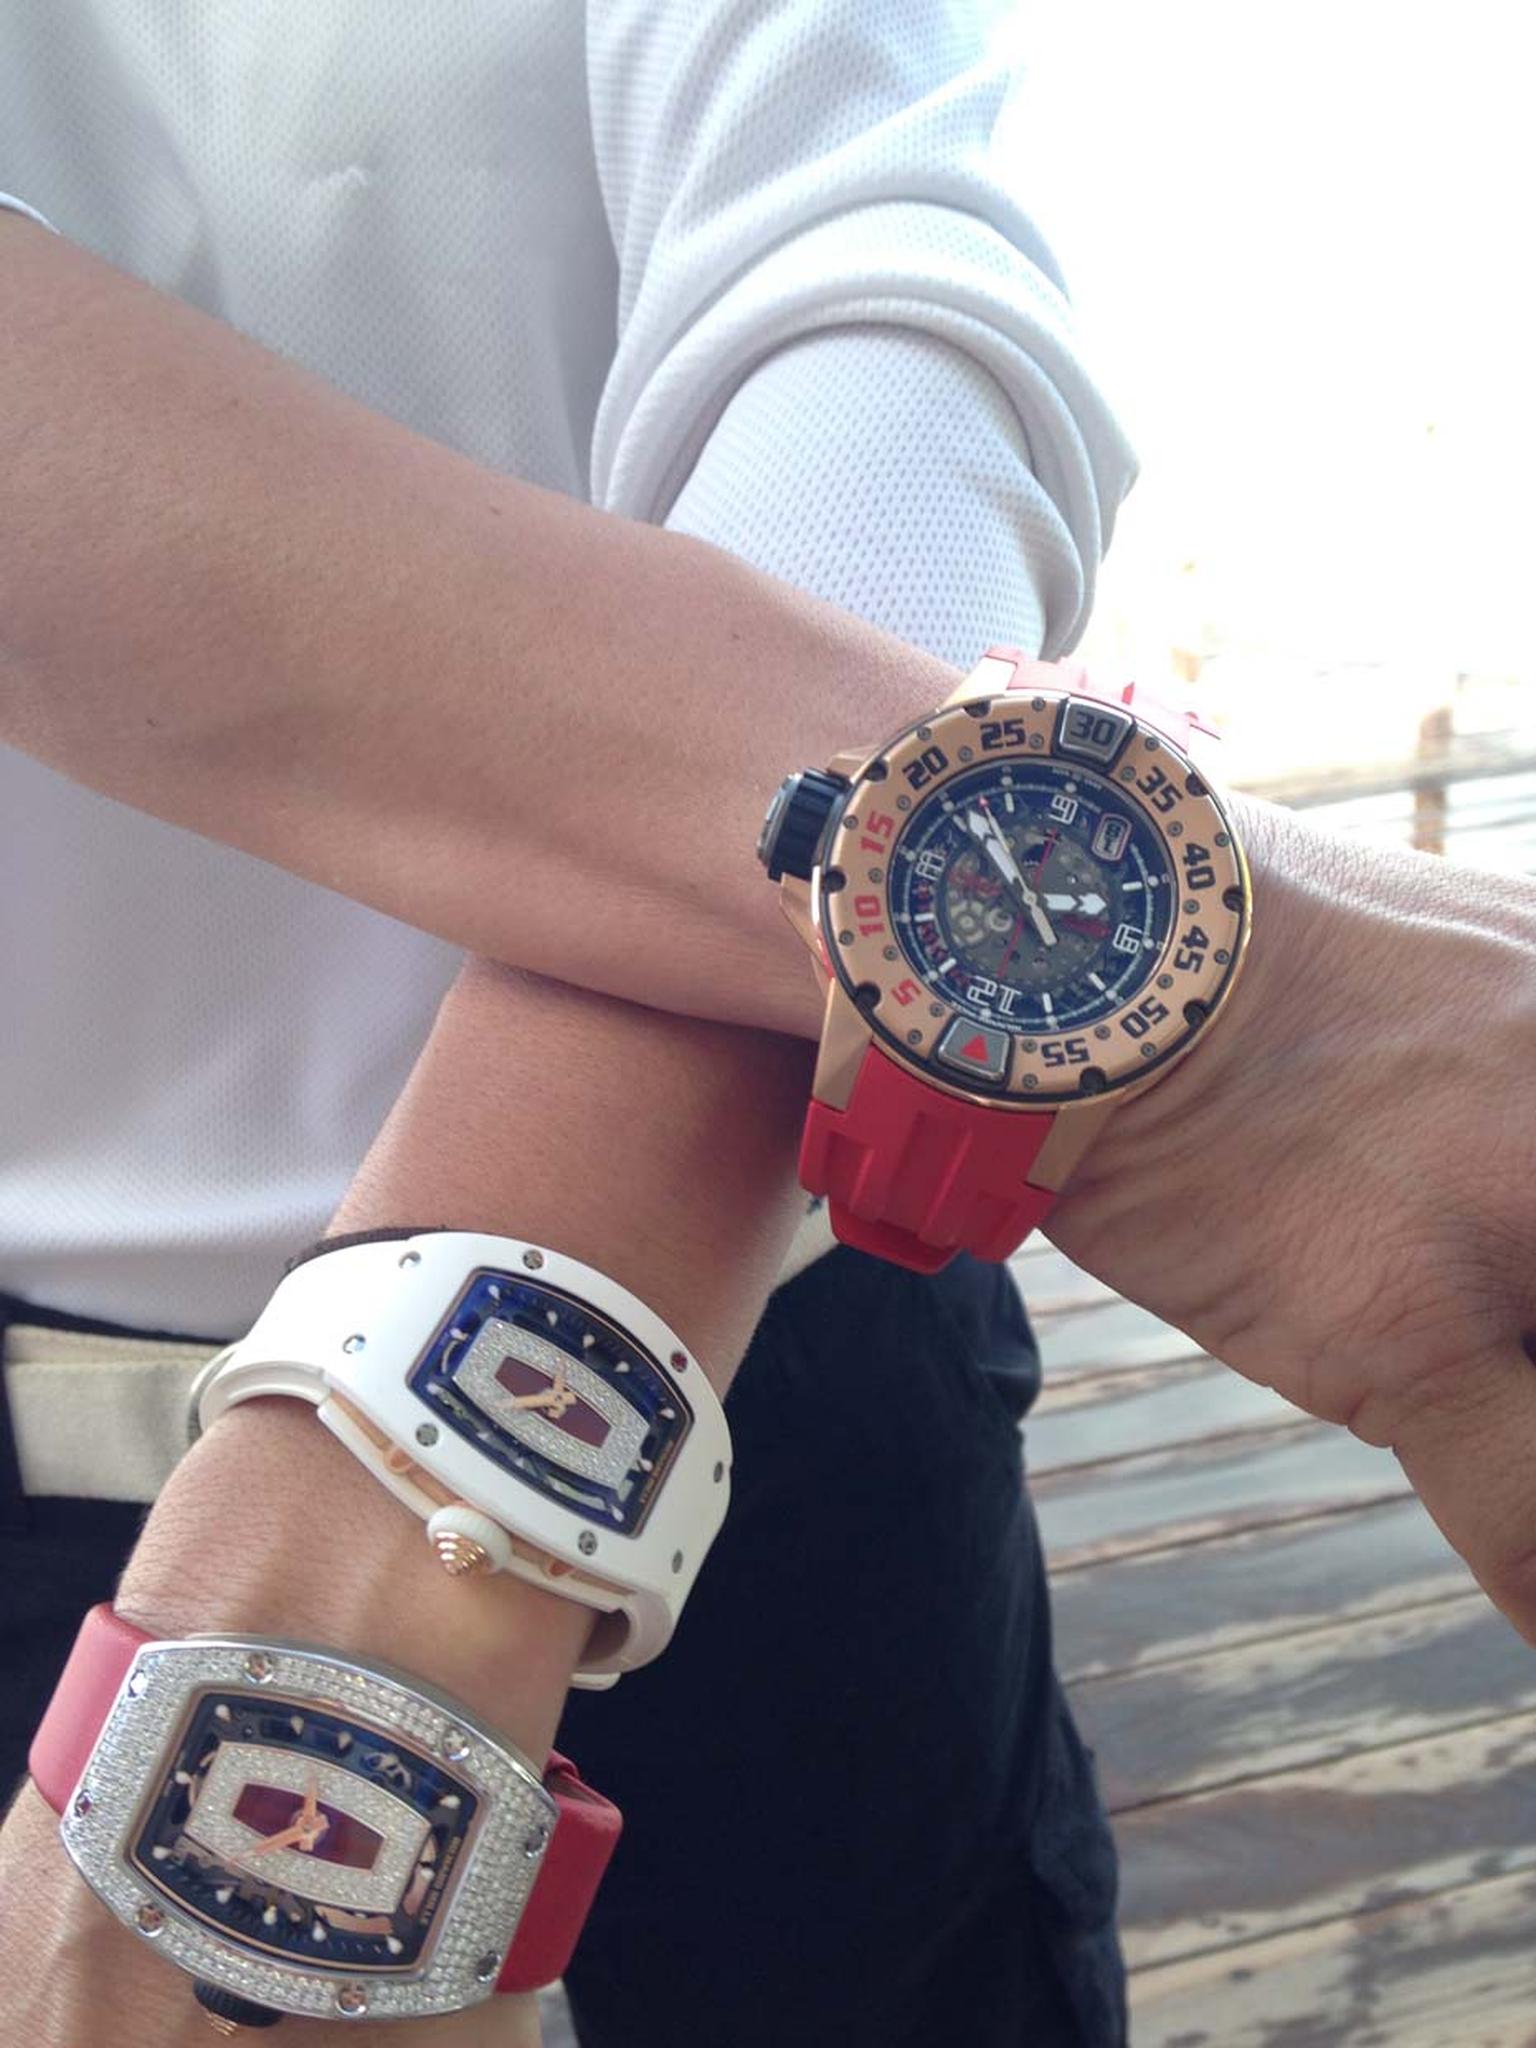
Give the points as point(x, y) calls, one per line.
point(1469, 1449)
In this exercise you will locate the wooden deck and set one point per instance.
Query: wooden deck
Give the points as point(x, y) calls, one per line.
point(1318, 1739)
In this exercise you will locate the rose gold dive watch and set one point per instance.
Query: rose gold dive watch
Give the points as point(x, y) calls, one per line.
point(1027, 908)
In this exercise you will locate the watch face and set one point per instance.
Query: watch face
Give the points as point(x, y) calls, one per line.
point(1040, 904)
point(318, 1836)
point(297, 1832)
point(558, 1395)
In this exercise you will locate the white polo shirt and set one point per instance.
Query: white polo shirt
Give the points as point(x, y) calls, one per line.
point(762, 274)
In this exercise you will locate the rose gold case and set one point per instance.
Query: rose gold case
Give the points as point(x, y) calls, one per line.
point(874, 992)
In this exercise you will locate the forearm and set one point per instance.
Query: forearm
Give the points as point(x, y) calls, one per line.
point(236, 599)
point(657, 1148)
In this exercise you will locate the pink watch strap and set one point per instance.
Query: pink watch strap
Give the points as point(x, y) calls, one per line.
point(585, 1832)
point(915, 1175)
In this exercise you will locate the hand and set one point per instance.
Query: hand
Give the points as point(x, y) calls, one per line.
point(1336, 1193)
point(983, 828)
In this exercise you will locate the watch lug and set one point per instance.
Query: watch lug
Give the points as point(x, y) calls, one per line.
point(851, 762)
point(796, 903)
point(845, 1038)
point(989, 678)
point(1077, 1125)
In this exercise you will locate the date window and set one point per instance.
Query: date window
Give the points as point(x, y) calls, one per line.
point(1112, 837)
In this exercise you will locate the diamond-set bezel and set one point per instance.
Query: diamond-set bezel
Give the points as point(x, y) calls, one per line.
point(136, 1745)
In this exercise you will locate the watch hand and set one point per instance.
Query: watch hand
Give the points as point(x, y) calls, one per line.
point(311, 1807)
point(286, 1840)
point(1086, 906)
point(984, 828)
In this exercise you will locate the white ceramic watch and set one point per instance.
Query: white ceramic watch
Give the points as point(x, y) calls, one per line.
point(538, 1417)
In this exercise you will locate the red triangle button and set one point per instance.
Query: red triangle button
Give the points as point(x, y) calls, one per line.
point(976, 1049)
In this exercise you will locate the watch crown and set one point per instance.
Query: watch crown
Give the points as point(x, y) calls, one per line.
point(468, 1542)
point(460, 1556)
point(797, 821)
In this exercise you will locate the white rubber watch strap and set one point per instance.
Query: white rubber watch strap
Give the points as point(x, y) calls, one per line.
point(345, 1330)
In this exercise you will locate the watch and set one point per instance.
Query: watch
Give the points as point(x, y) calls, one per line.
point(1026, 909)
point(305, 1833)
point(536, 1415)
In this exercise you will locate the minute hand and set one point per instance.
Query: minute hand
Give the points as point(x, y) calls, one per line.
point(983, 829)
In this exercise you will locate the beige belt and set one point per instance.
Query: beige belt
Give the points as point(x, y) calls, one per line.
point(103, 1418)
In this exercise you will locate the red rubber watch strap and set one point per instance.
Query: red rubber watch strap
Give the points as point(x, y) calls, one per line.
point(915, 1175)
point(586, 1830)
point(1175, 722)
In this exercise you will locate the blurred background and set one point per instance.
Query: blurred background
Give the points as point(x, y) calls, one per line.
point(1299, 244)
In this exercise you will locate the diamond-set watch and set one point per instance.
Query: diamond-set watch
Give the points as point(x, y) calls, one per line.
point(304, 1833)
point(538, 1417)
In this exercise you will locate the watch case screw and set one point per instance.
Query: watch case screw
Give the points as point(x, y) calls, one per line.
point(410, 1258)
point(1191, 907)
point(487, 1968)
point(356, 1342)
point(352, 2001)
point(677, 1560)
point(138, 1682)
point(426, 1433)
point(889, 953)
point(453, 1743)
point(1223, 838)
point(914, 1038)
point(82, 1805)
point(679, 1361)
point(1175, 829)
point(903, 803)
point(259, 1667)
point(1165, 981)
point(967, 753)
point(149, 1920)
point(533, 1259)
point(1150, 744)
point(586, 1543)
point(719, 1470)
point(1038, 704)
point(1037, 739)
point(534, 1840)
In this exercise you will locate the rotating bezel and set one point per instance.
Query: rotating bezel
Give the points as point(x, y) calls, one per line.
point(1133, 1043)
point(140, 1738)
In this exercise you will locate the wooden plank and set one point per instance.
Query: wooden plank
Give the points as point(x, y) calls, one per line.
point(1259, 1477)
point(1114, 1415)
point(1304, 1699)
point(1115, 1337)
point(1052, 1286)
point(1246, 1588)
point(1204, 1872)
point(1457, 1970)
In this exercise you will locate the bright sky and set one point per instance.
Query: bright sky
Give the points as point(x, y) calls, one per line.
point(1300, 245)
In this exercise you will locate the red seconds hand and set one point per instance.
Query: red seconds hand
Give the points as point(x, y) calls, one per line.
point(1045, 855)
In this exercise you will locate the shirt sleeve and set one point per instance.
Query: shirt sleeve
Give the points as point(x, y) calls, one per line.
point(844, 350)
point(10, 205)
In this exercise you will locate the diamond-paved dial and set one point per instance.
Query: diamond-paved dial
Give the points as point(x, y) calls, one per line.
point(558, 1395)
point(1032, 896)
point(297, 1831)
